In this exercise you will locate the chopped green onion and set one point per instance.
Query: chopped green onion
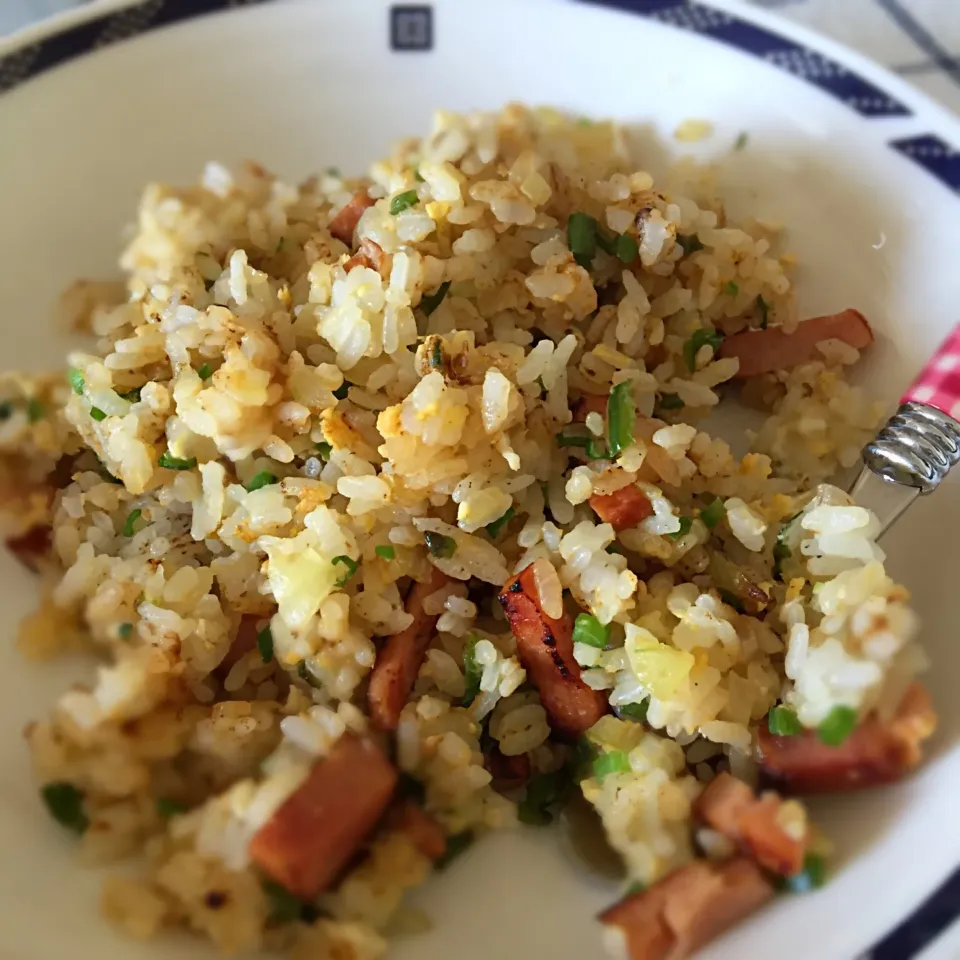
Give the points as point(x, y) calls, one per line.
point(436, 355)
point(783, 722)
point(65, 803)
point(284, 906)
point(635, 711)
point(594, 449)
point(763, 309)
point(589, 630)
point(6, 410)
point(542, 793)
point(304, 673)
point(731, 600)
point(690, 244)
point(341, 392)
point(627, 249)
point(839, 723)
point(168, 808)
point(205, 372)
point(431, 301)
point(670, 401)
point(170, 462)
point(279, 245)
point(262, 479)
point(403, 201)
point(351, 566)
point(129, 528)
point(621, 416)
point(713, 513)
point(124, 631)
point(496, 526)
point(75, 378)
point(813, 875)
point(97, 414)
point(701, 338)
point(35, 410)
point(638, 886)
point(333, 171)
point(456, 845)
point(781, 552)
point(572, 439)
point(418, 177)
point(731, 288)
point(685, 524)
point(385, 552)
point(324, 450)
point(132, 396)
point(265, 644)
point(472, 671)
point(741, 140)
point(439, 545)
point(606, 243)
point(616, 761)
point(582, 238)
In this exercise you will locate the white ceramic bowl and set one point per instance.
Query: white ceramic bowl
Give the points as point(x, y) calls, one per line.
point(856, 163)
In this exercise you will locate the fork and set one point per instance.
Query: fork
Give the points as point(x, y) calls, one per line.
point(912, 454)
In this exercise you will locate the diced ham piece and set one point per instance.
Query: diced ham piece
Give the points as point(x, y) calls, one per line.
point(316, 831)
point(545, 648)
point(684, 910)
point(622, 509)
point(369, 255)
point(400, 659)
point(427, 835)
point(730, 807)
point(509, 773)
point(590, 403)
point(874, 753)
point(763, 351)
point(32, 547)
point(343, 225)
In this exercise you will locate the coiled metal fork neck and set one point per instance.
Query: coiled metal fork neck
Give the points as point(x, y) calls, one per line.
point(916, 448)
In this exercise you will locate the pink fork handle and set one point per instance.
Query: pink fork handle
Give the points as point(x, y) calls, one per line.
point(938, 384)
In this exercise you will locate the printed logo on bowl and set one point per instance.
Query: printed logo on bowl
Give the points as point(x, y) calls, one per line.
point(411, 28)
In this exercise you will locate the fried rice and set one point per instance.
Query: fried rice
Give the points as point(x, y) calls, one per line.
point(397, 481)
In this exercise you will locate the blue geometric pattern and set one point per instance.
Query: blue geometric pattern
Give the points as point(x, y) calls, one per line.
point(29, 61)
point(829, 76)
point(934, 155)
point(920, 930)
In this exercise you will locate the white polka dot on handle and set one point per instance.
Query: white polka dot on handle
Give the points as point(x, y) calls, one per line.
point(948, 362)
point(922, 394)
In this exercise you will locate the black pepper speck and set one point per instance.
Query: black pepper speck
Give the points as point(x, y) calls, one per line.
point(215, 899)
